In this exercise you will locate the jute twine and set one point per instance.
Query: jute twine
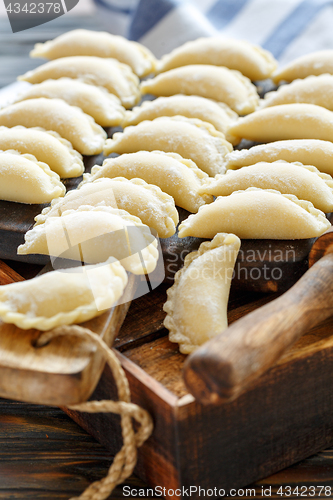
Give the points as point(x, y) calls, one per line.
point(125, 460)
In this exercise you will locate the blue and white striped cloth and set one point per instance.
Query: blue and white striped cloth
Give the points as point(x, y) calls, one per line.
point(288, 28)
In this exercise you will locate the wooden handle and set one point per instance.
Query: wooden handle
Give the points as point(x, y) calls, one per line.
point(227, 364)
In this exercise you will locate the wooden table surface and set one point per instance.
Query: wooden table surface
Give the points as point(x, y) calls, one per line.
point(44, 455)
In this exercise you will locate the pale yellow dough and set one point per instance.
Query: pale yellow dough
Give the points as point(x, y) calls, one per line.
point(55, 114)
point(315, 63)
point(105, 108)
point(62, 297)
point(306, 151)
point(116, 77)
point(217, 114)
point(303, 181)
point(100, 44)
point(47, 146)
point(190, 138)
point(287, 121)
point(214, 82)
point(23, 179)
point(251, 60)
point(257, 214)
point(175, 176)
point(146, 201)
point(198, 300)
point(312, 90)
point(95, 234)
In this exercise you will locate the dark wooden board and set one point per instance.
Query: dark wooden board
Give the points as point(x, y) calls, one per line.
point(286, 415)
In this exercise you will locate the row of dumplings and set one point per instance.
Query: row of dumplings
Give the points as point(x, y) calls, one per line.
point(187, 143)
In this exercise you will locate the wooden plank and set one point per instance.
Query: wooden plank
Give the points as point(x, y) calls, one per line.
point(66, 370)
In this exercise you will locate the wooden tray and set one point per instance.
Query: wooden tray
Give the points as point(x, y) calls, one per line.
point(286, 416)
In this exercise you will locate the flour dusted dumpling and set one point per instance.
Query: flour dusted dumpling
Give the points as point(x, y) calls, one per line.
point(146, 201)
point(100, 44)
point(62, 297)
point(105, 108)
point(315, 63)
point(198, 300)
point(306, 151)
point(216, 113)
point(190, 138)
point(173, 174)
point(287, 121)
point(95, 234)
point(116, 77)
point(257, 214)
point(46, 146)
point(213, 82)
point(54, 114)
point(312, 90)
point(303, 181)
point(251, 60)
point(23, 179)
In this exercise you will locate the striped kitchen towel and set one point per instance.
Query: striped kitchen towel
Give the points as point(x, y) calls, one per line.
point(288, 28)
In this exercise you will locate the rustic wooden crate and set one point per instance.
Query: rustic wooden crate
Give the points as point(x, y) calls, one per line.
point(286, 416)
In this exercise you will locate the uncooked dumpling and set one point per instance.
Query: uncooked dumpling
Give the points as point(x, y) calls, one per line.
point(191, 138)
point(214, 82)
point(95, 234)
point(287, 121)
point(257, 214)
point(55, 114)
point(216, 113)
point(312, 90)
point(62, 297)
point(251, 60)
point(116, 77)
point(198, 300)
point(315, 63)
point(146, 201)
point(179, 178)
point(105, 108)
point(97, 43)
point(46, 146)
point(306, 151)
point(305, 182)
point(23, 179)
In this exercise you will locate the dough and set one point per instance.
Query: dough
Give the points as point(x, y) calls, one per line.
point(307, 151)
point(315, 63)
point(155, 208)
point(25, 180)
point(179, 178)
point(101, 44)
point(47, 147)
point(287, 121)
point(214, 82)
point(191, 138)
point(312, 90)
point(251, 60)
point(257, 214)
point(116, 77)
point(55, 114)
point(95, 234)
point(216, 113)
point(303, 181)
point(198, 300)
point(105, 108)
point(62, 297)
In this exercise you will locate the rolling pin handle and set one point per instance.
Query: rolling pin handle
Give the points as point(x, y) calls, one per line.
point(223, 367)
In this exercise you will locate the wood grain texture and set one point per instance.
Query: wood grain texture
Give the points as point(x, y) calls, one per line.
point(44, 455)
point(66, 370)
point(226, 365)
